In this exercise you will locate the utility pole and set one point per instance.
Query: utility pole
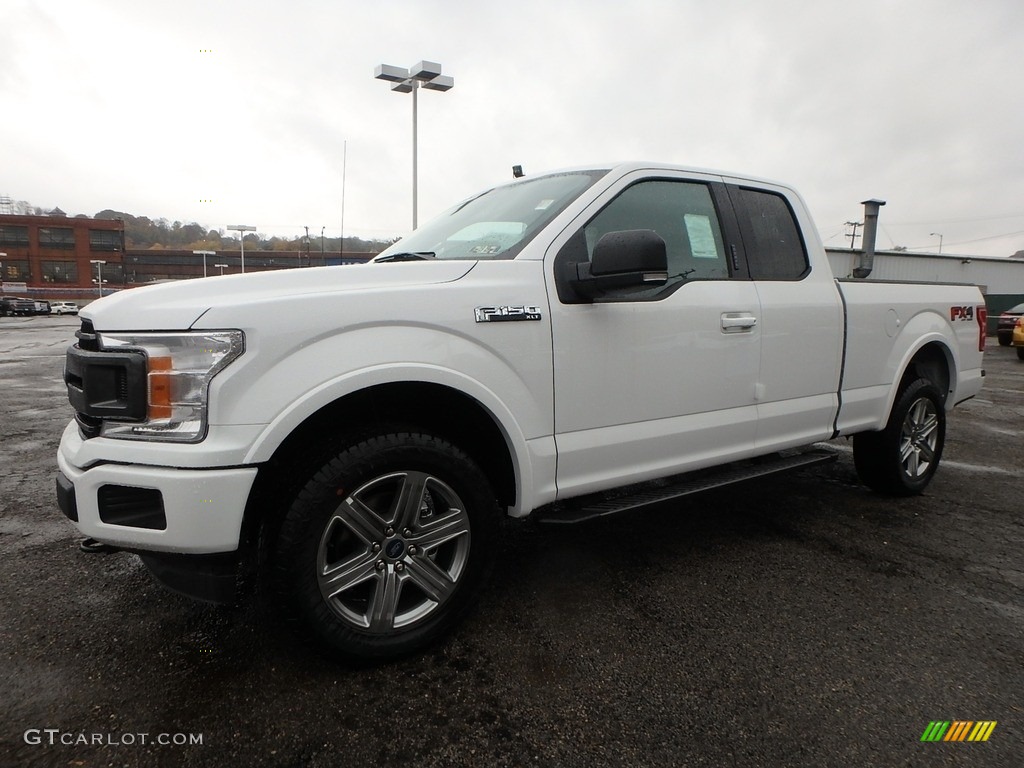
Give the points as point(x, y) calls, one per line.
point(341, 240)
point(853, 235)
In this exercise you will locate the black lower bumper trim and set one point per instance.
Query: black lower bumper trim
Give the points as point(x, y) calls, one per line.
point(211, 578)
point(66, 497)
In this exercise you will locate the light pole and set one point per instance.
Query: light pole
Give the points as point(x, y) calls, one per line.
point(204, 254)
point(241, 229)
point(323, 261)
point(99, 273)
point(938, 235)
point(2, 257)
point(426, 74)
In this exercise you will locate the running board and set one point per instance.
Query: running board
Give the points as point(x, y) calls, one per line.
point(661, 491)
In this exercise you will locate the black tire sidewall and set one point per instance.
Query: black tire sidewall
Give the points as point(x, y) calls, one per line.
point(877, 454)
point(304, 523)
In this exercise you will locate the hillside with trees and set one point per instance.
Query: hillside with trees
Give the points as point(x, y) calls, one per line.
point(144, 233)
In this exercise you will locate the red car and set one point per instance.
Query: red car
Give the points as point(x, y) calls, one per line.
point(1004, 328)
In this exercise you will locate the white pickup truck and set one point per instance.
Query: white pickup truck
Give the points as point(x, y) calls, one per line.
point(353, 434)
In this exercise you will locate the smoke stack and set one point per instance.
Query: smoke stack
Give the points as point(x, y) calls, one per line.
point(867, 258)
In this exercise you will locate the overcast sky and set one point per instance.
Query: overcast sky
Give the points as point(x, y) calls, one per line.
point(228, 112)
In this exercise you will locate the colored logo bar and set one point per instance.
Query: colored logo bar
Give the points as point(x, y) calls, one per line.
point(958, 730)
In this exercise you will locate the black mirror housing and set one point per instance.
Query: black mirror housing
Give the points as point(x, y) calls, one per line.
point(622, 259)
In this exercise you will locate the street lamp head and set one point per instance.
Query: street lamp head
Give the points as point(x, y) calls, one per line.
point(425, 73)
point(425, 70)
point(390, 73)
point(440, 83)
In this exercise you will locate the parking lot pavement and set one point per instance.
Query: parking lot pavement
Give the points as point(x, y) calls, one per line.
point(796, 621)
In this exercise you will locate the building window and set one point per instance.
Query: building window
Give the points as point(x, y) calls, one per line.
point(104, 240)
point(113, 273)
point(11, 235)
point(57, 237)
point(60, 272)
point(16, 271)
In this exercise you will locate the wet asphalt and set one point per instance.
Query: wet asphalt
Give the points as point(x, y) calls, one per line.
point(796, 621)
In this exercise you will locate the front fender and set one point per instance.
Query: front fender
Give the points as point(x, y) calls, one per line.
point(513, 386)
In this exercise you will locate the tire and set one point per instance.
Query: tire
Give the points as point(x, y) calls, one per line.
point(1020, 353)
point(1004, 339)
point(386, 546)
point(901, 459)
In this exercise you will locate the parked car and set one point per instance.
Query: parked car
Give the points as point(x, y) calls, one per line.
point(1005, 326)
point(1018, 337)
point(40, 307)
point(64, 308)
point(14, 305)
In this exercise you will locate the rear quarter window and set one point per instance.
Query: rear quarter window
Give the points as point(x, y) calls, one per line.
point(771, 237)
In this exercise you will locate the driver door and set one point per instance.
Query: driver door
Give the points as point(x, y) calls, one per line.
point(653, 381)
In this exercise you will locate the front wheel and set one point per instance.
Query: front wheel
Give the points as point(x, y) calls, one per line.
point(386, 546)
point(901, 459)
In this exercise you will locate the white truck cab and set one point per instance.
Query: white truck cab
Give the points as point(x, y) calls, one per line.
point(355, 432)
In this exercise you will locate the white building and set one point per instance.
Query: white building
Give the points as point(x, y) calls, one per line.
point(1001, 280)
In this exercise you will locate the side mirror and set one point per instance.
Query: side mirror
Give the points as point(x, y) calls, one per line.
point(624, 259)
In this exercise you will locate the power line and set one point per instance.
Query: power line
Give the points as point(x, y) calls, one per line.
point(938, 221)
point(968, 242)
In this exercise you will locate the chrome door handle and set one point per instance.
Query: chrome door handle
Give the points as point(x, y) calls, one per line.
point(737, 322)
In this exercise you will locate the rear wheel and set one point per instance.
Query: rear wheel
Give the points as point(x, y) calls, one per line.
point(901, 459)
point(1020, 353)
point(385, 547)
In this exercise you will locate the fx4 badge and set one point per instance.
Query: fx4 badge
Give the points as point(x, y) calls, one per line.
point(507, 313)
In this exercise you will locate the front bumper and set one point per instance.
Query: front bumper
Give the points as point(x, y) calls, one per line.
point(186, 511)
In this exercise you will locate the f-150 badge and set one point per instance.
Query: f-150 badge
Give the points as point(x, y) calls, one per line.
point(507, 313)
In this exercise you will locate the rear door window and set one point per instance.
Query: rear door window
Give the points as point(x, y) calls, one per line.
point(774, 247)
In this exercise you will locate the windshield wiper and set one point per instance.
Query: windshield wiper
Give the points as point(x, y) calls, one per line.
point(417, 256)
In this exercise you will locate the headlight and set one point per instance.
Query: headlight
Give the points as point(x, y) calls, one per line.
point(179, 367)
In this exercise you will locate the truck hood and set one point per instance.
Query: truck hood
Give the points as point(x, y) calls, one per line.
point(178, 305)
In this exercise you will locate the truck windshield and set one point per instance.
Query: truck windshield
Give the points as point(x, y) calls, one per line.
point(496, 224)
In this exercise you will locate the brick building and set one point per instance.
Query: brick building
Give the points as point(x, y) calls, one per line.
point(52, 257)
point(147, 266)
point(53, 254)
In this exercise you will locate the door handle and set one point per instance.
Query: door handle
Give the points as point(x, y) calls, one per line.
point(738, 322)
